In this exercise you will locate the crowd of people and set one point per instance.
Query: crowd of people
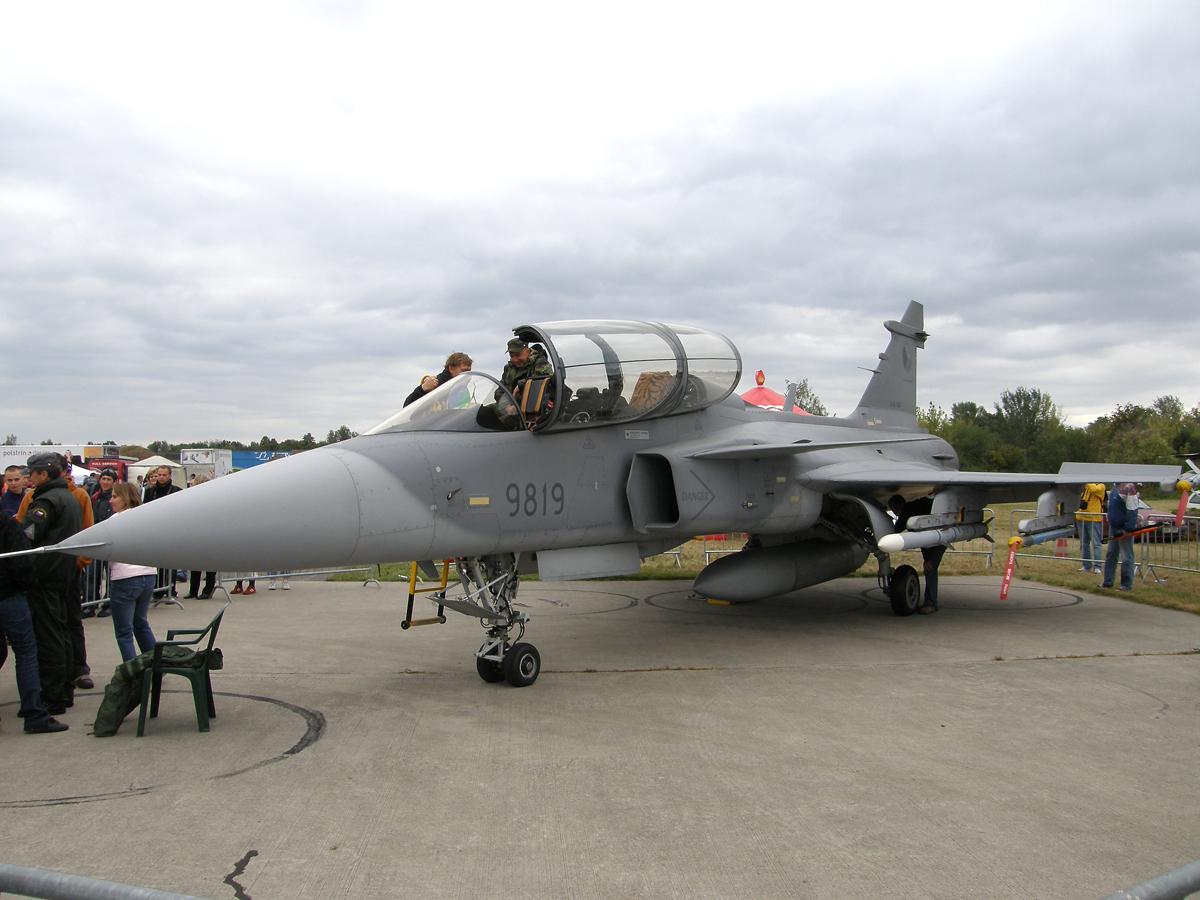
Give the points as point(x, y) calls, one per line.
point(41, 596)
point(40, 601)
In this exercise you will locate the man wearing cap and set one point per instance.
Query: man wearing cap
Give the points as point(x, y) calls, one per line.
point(159, 485)
point(456, 364)
point(83, 671)
point(1122, 520)
point(102, 500)
point(101, 511)
point(524, 362)
point(53, 515)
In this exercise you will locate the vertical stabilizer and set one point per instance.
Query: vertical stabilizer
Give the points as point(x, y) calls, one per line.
point(890, 400)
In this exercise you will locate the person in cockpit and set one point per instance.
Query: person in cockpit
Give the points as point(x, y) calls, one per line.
point(524, 362)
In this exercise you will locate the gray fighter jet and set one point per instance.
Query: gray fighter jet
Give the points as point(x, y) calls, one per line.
point(634, 445)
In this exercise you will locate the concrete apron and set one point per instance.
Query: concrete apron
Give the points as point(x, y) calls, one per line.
point(812, 745)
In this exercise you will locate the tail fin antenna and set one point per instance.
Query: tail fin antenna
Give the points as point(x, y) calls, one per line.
point(890, 400)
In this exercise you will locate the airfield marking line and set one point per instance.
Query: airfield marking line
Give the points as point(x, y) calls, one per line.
point(1195, 651)
point(639, 669)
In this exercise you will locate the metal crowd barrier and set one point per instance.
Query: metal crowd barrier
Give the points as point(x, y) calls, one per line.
point(23, 882)
point(165, 590)
point(222, 577)
point(94, 584)
point(676, 554)
point(1180, 554)
point(721, 544)
point(1176, 885)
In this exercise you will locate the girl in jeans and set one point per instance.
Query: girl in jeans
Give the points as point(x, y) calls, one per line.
point(132, 588)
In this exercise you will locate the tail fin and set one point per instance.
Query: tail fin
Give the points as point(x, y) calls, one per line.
point(890, 400)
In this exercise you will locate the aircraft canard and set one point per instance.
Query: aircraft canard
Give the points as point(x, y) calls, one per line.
point(632, 446)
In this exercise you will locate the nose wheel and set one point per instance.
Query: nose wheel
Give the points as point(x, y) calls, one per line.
point(489, 670)
point(519, 664)
point(522, 665)
point(490, 587)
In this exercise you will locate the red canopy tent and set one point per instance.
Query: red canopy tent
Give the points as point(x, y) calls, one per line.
point(767, 398)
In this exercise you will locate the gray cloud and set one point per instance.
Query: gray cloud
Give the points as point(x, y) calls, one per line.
point(1048, 217)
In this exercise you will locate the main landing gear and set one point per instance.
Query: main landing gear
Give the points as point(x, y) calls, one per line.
point(902, 585)
point(490, 584)
point(905, 591)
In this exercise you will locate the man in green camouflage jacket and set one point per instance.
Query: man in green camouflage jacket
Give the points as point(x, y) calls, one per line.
point(524, 362)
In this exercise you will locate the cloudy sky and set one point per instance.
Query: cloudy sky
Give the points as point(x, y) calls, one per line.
point(227, 220)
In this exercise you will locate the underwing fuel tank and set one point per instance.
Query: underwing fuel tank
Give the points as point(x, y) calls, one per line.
point(771, 571)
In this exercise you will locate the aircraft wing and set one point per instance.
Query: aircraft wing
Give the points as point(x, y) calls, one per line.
point(885, 477)
point(765, 450)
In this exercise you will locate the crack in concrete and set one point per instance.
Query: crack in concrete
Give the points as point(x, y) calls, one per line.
point(240, 867)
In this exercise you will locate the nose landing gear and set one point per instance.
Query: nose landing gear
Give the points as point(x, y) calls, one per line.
point(490, 587)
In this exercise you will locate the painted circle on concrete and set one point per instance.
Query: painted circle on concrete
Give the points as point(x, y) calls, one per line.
point(966, 596)
point(809, 601)
point(314, 730)
point(563, 601)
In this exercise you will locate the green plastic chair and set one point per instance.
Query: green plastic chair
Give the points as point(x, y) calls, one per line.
point(202, 692)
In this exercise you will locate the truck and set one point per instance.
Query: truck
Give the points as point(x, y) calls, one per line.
point(207, 462)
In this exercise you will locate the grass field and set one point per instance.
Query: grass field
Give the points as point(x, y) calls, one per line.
point(1179, 590)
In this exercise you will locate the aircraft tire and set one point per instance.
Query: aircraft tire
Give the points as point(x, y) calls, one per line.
point(905, 591)
point(522, 665)
point(489, 670)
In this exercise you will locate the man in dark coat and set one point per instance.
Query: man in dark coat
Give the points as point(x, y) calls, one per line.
point(162, 486)
point(931, 556)
point(101, 511)
point(102, 499)
point(14, 490)
point(1122, 521)
point(53, 515)
point(16, 627)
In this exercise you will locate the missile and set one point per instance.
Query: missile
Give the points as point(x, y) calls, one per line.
point(771, 571)
point(913, 540)
point(1028, 540)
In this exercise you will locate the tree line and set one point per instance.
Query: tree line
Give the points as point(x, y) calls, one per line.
point(1025, 432)
point(263, 444)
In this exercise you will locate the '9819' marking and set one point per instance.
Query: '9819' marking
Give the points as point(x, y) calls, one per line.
point(529, 501)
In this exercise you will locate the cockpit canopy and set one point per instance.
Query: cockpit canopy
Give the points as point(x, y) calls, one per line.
point(604, 372)
point(612, 371)
point(471, 402)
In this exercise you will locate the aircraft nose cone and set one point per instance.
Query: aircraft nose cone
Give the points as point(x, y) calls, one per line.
point(297, 512)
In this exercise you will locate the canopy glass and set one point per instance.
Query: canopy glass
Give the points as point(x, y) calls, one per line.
point(610, 371)
point(472, 401)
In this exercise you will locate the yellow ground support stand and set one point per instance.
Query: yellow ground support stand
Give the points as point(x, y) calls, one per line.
point(413, 590)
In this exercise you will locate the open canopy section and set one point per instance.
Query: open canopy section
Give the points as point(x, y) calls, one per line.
point(471, 401)
point(616, 371)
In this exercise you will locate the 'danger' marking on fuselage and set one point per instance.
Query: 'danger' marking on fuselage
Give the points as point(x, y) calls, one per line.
point(529, 505)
